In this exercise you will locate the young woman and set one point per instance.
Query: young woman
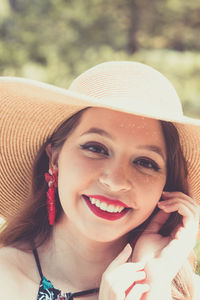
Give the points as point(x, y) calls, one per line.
point(99, 188)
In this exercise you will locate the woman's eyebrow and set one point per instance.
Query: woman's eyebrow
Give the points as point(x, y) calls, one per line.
point(98, 131)
point(153, 148)
point(102, 132)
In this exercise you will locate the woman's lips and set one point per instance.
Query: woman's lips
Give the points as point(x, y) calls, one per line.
point(106, 208)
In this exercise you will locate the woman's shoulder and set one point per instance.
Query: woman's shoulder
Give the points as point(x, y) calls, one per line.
point(8, 259)
point(10, 256)
point(14, 279)
point(10, 274)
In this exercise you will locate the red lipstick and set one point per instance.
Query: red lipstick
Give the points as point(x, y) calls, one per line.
point(111, 216)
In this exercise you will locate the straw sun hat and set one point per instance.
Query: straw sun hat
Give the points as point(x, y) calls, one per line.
point(30, 111)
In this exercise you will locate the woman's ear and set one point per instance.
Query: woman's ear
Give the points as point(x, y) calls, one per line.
point(53, 157)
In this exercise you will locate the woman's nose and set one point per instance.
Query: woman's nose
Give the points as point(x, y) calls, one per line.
point(115, 179)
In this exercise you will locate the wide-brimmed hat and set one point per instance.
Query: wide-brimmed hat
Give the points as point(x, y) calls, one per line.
point(31, 111)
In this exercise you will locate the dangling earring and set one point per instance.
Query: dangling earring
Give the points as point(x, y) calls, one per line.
point(52, 179)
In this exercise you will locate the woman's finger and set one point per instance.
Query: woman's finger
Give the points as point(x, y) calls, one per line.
point(184, 235)
point(177, 194)
point(137, 291)
point(184, 204)
point(123, 276)
point(120, 275)
point(182, 209)
point(186, 232)
point(122, 258)
point(121, 281)
point(190, 219)
point(194, 208)
point(168, 196)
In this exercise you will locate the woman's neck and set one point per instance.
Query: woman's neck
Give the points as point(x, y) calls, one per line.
point(71, 259)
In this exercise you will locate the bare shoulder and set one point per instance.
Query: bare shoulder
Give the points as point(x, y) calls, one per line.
point(10, 256)
point(15, 281)
point(8, 259)
point(10, 275)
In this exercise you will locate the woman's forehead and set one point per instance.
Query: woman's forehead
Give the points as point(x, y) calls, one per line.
point(103, 117)
point(120, 125)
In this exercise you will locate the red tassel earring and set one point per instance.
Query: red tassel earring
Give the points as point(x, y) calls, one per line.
point(52, 179)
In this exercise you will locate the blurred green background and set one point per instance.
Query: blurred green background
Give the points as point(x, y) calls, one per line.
point(55, 40)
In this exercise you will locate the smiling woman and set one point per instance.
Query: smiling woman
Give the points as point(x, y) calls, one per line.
point(98, 178)
point(109, 166)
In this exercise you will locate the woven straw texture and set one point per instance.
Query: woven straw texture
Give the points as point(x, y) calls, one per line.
point(23, 129)
point(30, 112)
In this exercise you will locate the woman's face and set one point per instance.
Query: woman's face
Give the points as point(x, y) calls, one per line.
point(111, 173)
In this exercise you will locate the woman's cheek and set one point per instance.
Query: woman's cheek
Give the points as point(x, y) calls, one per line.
point(76, 167)
point(151, 185)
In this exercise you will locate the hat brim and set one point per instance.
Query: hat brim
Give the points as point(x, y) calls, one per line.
point(31, 111)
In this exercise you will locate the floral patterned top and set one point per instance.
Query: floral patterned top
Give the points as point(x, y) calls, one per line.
point(48, 292)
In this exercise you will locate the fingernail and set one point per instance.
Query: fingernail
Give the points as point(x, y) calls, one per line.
point(127, 248)
point(162, 203)
point(166, 194)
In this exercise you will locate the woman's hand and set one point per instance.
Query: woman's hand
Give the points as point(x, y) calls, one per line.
point(120, 276)
point(164, 256)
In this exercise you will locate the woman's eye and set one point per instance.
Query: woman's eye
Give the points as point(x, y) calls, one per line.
point(95, 148)
point(147, 163)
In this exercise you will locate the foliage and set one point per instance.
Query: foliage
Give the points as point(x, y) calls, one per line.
point(55, 40)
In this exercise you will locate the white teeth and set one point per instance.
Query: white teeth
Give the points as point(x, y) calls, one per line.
point(111, 208)
point(92, 200)
point(119, 208)
point(106, 207)
point(97, 203)
point(103, 205)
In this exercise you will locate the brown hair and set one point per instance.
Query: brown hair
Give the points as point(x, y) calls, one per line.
point(31, 227)
point(182, 285)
